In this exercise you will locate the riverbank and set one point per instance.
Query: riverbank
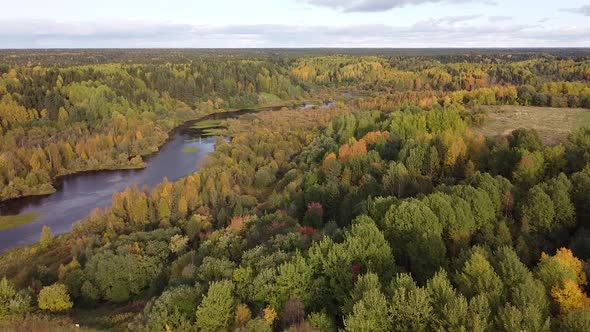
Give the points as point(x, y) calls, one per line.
point(132, 162)
point(78, 194)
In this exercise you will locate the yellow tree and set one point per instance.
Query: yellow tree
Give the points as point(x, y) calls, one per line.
point(569, 297)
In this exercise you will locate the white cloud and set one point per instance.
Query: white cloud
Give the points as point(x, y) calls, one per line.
point(584, 10)
point(453, 31)
point(378, 5)
point(498, 18)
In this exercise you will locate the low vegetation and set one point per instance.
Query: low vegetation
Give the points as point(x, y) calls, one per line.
point(552, 124)
point(7, 222)
point(207, 124)
point(191, 150)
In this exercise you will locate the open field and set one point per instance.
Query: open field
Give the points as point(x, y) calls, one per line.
point(552, 124)
point(7, 222)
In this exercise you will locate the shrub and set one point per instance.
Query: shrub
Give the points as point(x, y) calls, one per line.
point(11, 301)
point(55, 298)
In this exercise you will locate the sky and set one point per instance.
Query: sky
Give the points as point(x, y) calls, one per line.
point(294, 23)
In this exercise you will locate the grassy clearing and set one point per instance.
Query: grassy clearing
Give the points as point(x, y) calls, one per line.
point(205, 124)
point(191, 150)
point(7, 222)
point(552, 124)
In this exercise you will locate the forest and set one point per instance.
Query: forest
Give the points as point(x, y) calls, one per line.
point(61, 120)
point(387, 211)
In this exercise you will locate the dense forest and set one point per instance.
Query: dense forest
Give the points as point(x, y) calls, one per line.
point(57, 121)
point(62, 119)
point(389, 211)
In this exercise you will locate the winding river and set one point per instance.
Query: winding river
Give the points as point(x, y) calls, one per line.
point(78, 194)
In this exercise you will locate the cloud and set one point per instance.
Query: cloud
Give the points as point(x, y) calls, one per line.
point(584, 10)
point(452, 31)
point(450, 20)
point(378, 5)
point(499, 18)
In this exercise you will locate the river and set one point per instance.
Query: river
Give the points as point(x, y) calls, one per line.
point(78, 194)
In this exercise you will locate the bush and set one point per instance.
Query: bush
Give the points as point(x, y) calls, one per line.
point(11, 301)
point(55, 298)
point(173, 310)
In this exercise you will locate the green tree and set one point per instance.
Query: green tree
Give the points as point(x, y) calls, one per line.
point(455, 216)
point(537, 212)
point(528, 309)
point(477, 277)
point(365, 283)
point(581, 196)
point(178, 243)
point(294, 279)
point(559, 189)
point(530, 169)
point(334, 262)
point(216, 311)
point(510, 318)
point(479, 314)
point(411, 309)
point(321, 321)
point(450, 310)
point(367, 246)
point(578, 148)
point(364, 250)
point(119, 276)
point(491, 186)
point(482, 208)
point(527, 139)
point(576, 321)
point(397, 179)
point(255, 325)
point(415, 233)
point(555, 270)
point(174, 310)
point(440, 291)
point(369, 314)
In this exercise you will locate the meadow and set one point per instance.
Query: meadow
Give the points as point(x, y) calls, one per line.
point(552, 124)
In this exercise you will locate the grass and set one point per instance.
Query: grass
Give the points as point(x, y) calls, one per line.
point(552, 124)
point(206, 124)
point(191, 150)
point(108, 317)
point(210, 132)
point(268, 97)
point(7, 222)
point(39, 322)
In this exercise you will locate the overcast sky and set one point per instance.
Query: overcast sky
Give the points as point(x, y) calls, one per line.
point(294, 23)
